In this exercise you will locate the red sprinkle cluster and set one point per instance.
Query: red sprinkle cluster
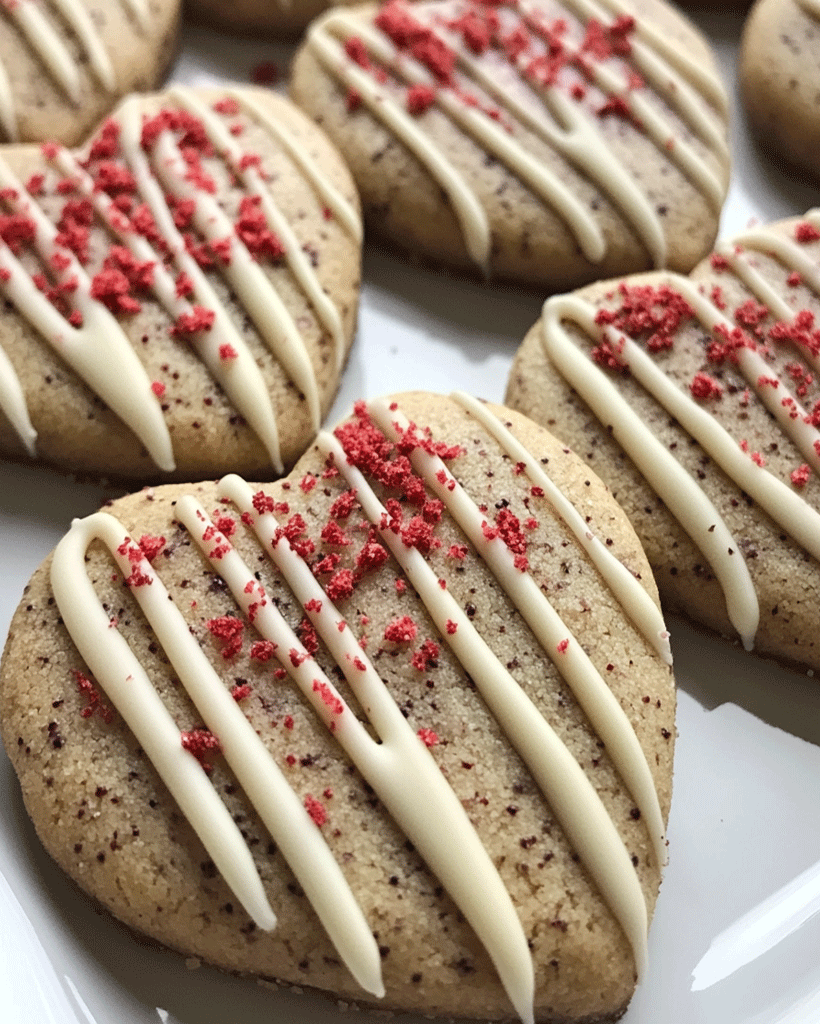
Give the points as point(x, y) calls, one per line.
point(202, 744)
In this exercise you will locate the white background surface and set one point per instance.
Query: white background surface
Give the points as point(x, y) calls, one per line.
point(745, 817)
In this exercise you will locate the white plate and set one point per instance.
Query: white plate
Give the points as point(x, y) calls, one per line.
point(745, 817)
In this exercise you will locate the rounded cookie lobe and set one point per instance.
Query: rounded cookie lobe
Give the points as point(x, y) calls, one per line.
point(696, 401)
point(552, 143)
point(182, 293)
point(398, 625)
point(65, 63)
point(777, 69)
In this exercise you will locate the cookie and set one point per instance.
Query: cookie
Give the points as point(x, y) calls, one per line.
point(696, 400)
point(279, 18)
point(181, 294)
point(429, 683)
point(777, 67)
point(65, 63)
point(539, 143)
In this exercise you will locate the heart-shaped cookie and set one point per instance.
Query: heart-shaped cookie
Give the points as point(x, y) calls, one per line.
point(549, 142)
point(428, 682)
point(696, 400)
point(65, 63)
point(181, 295)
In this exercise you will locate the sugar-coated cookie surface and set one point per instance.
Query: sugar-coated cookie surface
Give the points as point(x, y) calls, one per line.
point(428, 682)
point(548, 142)
point(697, 401)
point(65, 63)
point(181, 294)
point(777, 65)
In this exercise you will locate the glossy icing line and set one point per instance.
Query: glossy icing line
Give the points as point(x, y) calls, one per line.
point(340, 207)
point(604, 712)
point(140, 11)
point(397, 765)
point(8, 116)
point(565, 786)
point(126, 684)
point(578, 139)
point(678, 490)
point(13, 402)
point(468, 210)
point(98, 351)
point(680, 493)
point(244, 274)
point(636, 602)
point(238, 372)
point(239, 376)
point(122, 677)
point(705, 81)
point(254, 184)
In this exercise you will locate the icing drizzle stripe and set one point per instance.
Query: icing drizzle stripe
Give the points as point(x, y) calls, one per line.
point(637, 603)
point(580, 143)
point(678, 490)
point(567, 789)
point(783, 505)
point(99, 351)
point(127, 685)
point(399, 768)
point(343, 210)
point(239, 376)
point(592, 693)
point(111, 660)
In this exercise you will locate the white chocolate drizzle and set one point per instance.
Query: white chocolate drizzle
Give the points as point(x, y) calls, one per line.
point(99, 351)
point(13, 403)
point(573, 663)
point(398, 765)
point(549, 114)
point(560, 778)
point(294, 256)
point(634, 599)
point(681, 494)
point(40, 32)
point(341, 208)
point(239, 376)
point(126, 684)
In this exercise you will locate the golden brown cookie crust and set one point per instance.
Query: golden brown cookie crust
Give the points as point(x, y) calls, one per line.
point(139, 47)
point(208, 434)
point(784, 575)
point(530, 239)
point(777, 68)
point(107, 819)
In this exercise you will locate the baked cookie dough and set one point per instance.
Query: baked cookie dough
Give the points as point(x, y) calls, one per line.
point(552, 143)
point(428, 682)
point(65, 63)
point(277, 18)
point(779, 71)
point(696, 400)
point(181, 294)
